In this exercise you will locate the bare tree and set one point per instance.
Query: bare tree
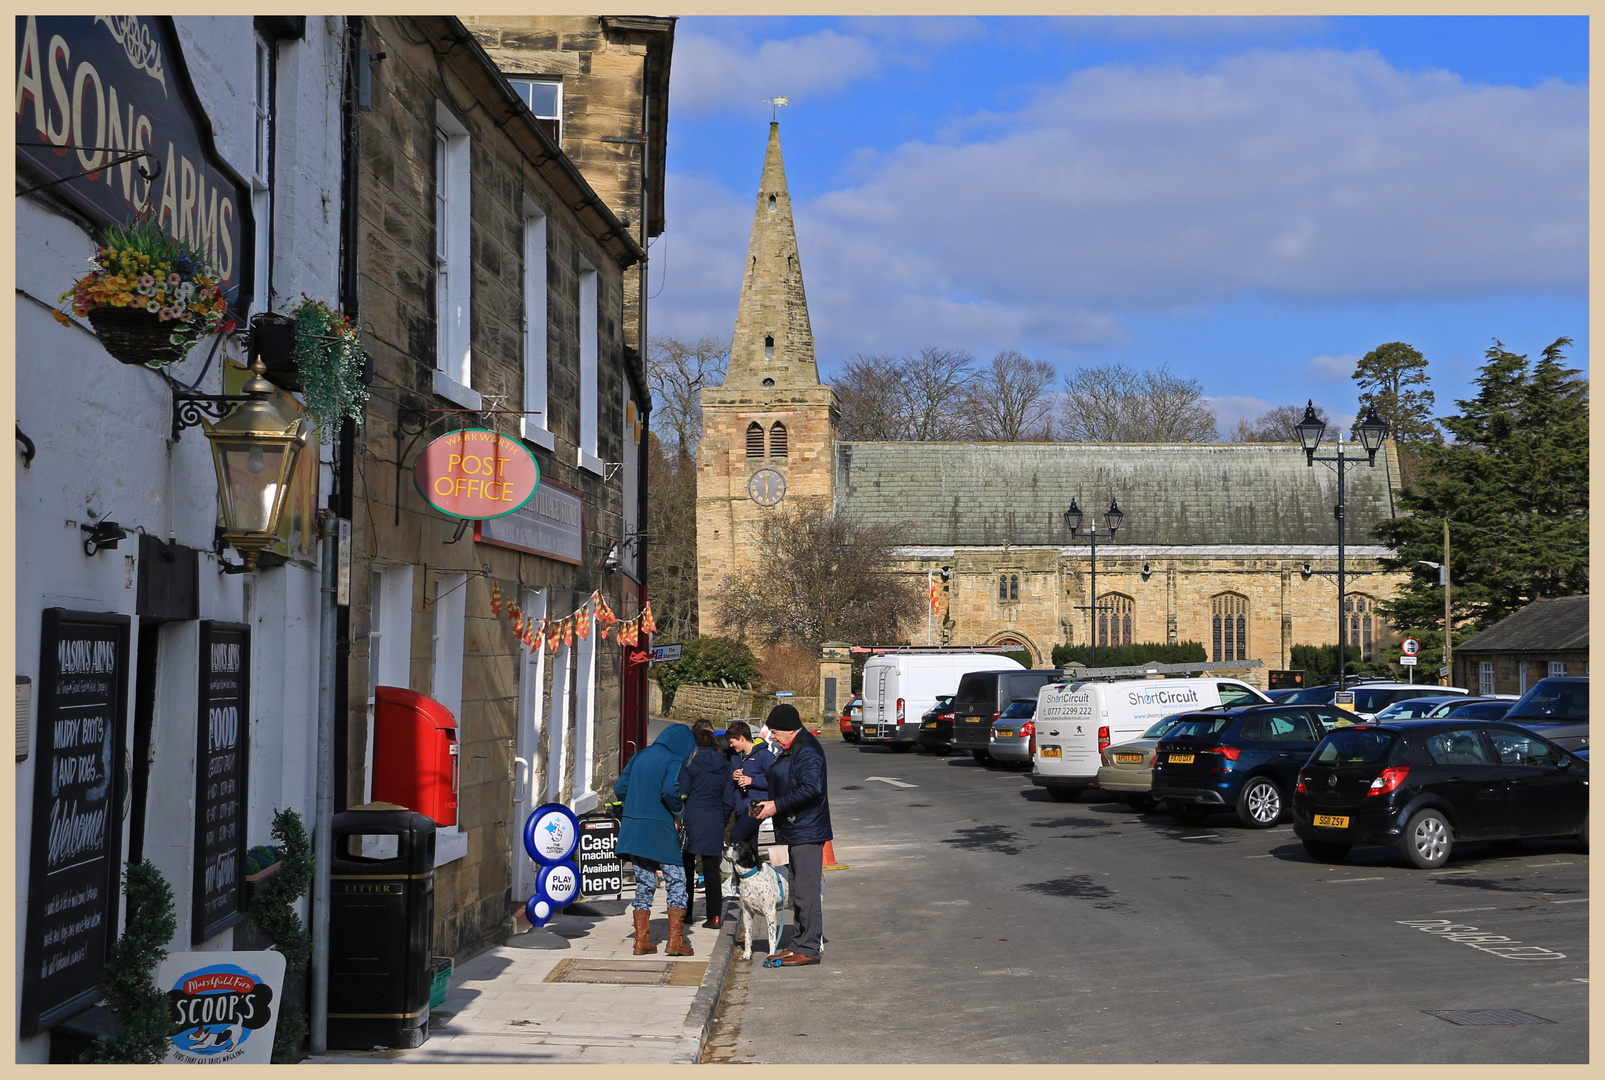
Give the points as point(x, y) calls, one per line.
point(677, 371)
point(870, 389)
point(671, 526)
point(1115, 404)
point(1008, 401)
point(1277, 425)
point(935, 385)
point(821, 577)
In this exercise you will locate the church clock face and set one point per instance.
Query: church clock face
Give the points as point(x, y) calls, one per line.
point(766, 487)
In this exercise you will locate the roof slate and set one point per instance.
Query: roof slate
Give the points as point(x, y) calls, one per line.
point(1541, 626)
point(1185, 494)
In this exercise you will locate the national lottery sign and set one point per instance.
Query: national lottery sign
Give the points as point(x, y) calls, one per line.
point(551, 834)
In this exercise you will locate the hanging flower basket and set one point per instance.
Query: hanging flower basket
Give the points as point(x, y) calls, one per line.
point(329, 363)
point(135, 336)
point(149, 298)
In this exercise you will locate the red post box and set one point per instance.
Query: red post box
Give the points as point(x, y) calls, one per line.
point(415, 753)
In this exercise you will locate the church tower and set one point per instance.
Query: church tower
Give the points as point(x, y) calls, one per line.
point(768, 433)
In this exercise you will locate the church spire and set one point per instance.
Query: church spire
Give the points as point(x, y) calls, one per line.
point(773, 339)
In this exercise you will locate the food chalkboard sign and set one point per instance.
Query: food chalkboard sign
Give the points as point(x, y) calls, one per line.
point(75, 842)
point(223, 730)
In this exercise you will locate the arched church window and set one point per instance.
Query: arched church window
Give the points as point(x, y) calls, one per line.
point(769, 346)
point(1359, 622)
point(771, 203)
point(1230, 612)
point(755, 439)
point(1115, 619)
point(777, 440)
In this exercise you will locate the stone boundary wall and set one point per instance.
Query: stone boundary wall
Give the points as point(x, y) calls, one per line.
point(719, 703)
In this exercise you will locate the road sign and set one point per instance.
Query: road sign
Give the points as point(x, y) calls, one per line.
point(665, 654)
point(1408, 661)
point(1410, 646)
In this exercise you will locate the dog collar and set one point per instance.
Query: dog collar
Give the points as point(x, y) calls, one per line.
point(751, 872)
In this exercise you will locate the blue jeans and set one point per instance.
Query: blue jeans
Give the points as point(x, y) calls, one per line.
point(646, 885)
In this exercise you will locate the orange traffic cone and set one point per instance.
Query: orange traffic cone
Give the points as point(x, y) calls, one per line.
point(830, 858)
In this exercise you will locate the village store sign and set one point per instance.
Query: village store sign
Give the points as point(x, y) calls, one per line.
point(96, 89)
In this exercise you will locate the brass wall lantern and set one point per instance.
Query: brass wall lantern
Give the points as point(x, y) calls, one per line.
point(255, 452)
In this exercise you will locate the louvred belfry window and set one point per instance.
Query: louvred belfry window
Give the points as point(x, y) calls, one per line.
point(755, 439)
point(777, 440)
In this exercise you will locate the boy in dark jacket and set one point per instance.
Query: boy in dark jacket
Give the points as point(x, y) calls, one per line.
point(801, 810)
point(750, 779)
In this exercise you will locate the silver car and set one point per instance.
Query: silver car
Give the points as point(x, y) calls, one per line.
point(1013, 732)
point(1127, 768)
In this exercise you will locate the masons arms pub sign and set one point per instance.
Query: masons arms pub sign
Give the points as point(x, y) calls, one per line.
point(108, 122)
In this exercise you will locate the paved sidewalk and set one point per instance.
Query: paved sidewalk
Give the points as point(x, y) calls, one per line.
point(504, 1007)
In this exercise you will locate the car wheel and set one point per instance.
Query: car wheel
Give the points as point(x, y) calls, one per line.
point(1064, 794)
point(1326, 853)
point(1259, 805)
point(1427, 840)
point(1187, 813)
point(983, 756)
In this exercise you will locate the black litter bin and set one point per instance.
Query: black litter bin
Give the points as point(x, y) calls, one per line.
point(381, 928)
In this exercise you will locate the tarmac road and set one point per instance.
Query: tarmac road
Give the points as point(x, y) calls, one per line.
point(979, 921)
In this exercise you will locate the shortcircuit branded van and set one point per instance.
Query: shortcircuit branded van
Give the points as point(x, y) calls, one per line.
point(1076, 721)
point(900, 687)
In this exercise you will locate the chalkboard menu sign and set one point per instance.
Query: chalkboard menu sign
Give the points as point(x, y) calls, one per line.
point(223, 731)
point(75, 845)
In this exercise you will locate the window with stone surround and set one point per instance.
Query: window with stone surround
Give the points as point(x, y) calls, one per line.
point(1359, 624)
point(1008, 588)
point(769, 346)
point(1230, 624)
point(777, 439)
point(755, 439)
point(545, 99)
point(453, 355)
point(590, 352)
point(536, 421)
point(1115, 619)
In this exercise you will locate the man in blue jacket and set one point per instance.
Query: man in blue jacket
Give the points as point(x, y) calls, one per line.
point(802, 822)
point(650, 788)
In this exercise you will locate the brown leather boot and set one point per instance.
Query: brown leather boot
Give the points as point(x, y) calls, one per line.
point(677, 945)
point(643, 932)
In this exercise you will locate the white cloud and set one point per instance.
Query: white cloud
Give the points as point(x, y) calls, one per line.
point(715, 73)
point(1308, 176)
point(1331, 368)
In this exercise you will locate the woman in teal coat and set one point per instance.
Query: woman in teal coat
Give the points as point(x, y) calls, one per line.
point(650, 788)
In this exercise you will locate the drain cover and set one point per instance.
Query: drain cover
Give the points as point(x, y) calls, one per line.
point(1475, 1017)
point(628, 972)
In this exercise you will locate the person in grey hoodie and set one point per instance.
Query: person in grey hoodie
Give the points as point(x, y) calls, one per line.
point(650, 788)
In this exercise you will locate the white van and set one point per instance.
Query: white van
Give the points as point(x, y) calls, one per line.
point(1076, 721)
point(900, 687)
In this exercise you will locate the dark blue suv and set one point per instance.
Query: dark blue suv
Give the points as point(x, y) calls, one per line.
point(1245, 760)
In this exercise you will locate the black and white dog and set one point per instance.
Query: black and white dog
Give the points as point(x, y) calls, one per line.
point(762, 891)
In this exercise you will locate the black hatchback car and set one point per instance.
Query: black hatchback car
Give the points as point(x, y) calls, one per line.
point(1244, 759)
point(1424, 785)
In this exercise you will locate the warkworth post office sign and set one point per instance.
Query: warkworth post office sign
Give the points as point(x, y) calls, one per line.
point(92, 91)
point(476, 474)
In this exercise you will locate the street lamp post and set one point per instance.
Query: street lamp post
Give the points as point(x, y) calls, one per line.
point(1072, 520)
point(1372, 431)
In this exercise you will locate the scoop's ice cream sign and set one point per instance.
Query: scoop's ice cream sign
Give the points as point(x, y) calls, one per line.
point(225, 1006)
point(476, 474)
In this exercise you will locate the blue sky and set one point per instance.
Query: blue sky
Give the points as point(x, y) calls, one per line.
point(1255, 201)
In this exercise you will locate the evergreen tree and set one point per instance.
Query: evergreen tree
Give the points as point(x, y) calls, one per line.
point(1513, 485)
point(1393, 380)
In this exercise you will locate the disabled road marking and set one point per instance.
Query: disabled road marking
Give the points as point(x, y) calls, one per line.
point(889, 780)
point(1497, 944)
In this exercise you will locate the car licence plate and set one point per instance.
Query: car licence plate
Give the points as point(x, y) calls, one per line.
point(1004, 733)
point(1128, 759)
point(869, 729)
point(1180, 759)
point(1050, 751)
point(1331, 821)
point(972, 719)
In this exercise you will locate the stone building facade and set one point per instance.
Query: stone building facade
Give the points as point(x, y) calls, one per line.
point(1543, 639)
point(1230, 545)
point(492, 295)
